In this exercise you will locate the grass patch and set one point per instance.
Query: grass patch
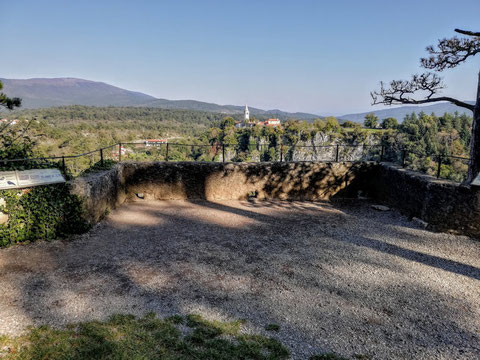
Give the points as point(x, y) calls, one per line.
point(362, 357)
point(98, 166)
point(327, 356)
point(272, 327)
point(129, 337)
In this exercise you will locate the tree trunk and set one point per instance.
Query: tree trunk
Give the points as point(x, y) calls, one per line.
point(474, 164)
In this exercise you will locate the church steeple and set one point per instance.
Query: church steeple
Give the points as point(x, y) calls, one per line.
point(247, 113)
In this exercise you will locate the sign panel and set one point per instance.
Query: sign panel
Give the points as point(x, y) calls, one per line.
point(476, 181)
point(8, 180)
point(29, 178)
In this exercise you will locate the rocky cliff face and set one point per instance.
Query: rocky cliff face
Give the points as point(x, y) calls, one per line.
point(321, 147)
point(325, 147)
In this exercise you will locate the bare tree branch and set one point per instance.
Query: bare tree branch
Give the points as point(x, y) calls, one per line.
point(402, 92)
point(466, 32)
point(448, 54)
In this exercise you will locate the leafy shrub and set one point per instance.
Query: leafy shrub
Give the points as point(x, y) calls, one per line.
point(272, 327)
point(327, 356)
point(41, 213)
point(98, 166)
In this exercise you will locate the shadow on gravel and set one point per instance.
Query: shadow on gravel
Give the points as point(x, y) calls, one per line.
point(313, 268)
point(426, 259)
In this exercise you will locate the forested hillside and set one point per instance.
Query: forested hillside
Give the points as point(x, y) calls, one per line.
point(426, 136)
point(41, 93)
point(52, 92)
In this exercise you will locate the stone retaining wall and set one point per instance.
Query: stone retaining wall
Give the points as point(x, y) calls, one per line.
point(100, 192)
point(219, 181)
point(232, 181)
point(443, 204)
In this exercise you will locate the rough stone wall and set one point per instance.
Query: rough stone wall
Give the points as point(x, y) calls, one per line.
point(218, 181)
point(444, 204)
point(100, 192)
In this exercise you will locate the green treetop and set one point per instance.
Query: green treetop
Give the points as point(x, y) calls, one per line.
point(389, 123)
point(370, 121)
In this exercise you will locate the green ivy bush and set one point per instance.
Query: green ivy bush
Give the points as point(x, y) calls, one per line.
point(99, 166)
point(40, 213)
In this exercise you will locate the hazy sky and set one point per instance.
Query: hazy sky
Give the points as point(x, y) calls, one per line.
point(313, 56)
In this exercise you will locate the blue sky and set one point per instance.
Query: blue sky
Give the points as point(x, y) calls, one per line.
point(314, 56)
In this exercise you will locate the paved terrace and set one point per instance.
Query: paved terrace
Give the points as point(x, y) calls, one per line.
point(341, 277)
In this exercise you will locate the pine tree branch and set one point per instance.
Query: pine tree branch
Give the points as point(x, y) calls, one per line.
point(391, 100)
point(402, 92)
point(468, 33)
point(451, 52)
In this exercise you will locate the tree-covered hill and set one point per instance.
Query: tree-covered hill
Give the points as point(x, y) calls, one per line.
point(163, 122)
point(42, 93)
point(73, 130)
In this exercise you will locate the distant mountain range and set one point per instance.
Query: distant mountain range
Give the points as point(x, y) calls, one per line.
point(400, 112)
point(41, 93)
point(50, 92)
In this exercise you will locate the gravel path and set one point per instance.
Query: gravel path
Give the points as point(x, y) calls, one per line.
point(342, 278)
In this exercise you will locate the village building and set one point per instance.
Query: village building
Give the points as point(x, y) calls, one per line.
point(272, 122)
point(250, 123)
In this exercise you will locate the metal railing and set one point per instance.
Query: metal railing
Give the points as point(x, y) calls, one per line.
point(439, 159)
point(440, 165)
point(218, 152)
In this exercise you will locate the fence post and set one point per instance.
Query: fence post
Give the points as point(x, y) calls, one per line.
point(119, 152)
point(381, 154)
point(281, 152)
point(404, 157)
point(223, 152)
point(336, 154)
point(64, 168)
point(101, 157)
point(166, 155)
point(439, 165)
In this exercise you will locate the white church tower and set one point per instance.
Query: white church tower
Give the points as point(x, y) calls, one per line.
point(247, 114)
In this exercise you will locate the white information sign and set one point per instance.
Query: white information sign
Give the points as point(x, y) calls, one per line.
point(8, 180)
point(476, 181)
point(29, 178)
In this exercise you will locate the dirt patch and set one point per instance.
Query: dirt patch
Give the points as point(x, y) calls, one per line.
point(341, 278)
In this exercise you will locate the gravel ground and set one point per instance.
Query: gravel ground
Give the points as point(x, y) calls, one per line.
point(342, 277)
